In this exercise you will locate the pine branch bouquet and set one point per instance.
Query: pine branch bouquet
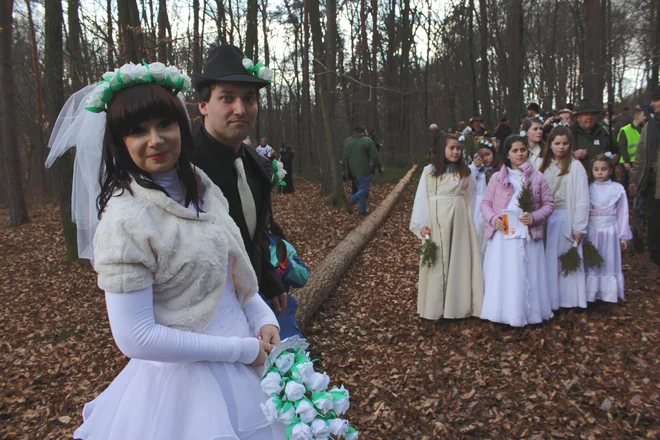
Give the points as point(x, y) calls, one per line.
point(526, 202)
point(592, 258)
point(428, 251)
point(570, 260)
point(488, 174)
point(299, 396)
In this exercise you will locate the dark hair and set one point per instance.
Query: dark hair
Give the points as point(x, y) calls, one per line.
point(440, 162)
point(608, 161)
point(534, 106)
point(360, 129)
point(502, 132)
point(497, 159)
point(508, 144)
point(637, 111)
point(204, 91)
point(128, 110)
point(564, 162)
point(527, 123)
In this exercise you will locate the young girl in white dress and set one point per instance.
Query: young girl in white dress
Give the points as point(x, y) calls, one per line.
point(533, 129)
point(443, 210)
point(179, 287)
point(514, 268)
point(567, 225)
point(609, 231)
point(485, 163)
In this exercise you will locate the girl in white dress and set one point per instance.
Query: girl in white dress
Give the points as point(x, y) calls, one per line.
point(516, 287)
point(179, 287)
point(443, 210)
point(533, 134)
point(486, 162)
point(567, 225)
point(609, 231)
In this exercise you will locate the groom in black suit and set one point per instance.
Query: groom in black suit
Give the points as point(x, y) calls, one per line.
point(228, 100)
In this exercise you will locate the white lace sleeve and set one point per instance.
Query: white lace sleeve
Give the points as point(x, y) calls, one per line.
point(138, 336)
point(259, 314)
point(420, 214)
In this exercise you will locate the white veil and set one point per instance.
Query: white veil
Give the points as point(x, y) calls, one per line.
point(85, 130)
point(76, 127)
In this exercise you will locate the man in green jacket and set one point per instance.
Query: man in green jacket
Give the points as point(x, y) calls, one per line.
point(589, 137)
point(360, 159)
point(644, 175)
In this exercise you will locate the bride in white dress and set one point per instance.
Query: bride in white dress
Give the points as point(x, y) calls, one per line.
point(180, 290)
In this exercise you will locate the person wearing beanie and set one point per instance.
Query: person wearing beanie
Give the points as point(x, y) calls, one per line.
point(644, 175)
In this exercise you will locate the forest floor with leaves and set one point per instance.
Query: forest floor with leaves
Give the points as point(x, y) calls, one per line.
point(584, 374)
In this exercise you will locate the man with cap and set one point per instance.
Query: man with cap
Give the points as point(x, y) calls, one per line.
point(228, 98)
point(644, 175)
point(476, 123)
point(589, 137)
point(533, 110)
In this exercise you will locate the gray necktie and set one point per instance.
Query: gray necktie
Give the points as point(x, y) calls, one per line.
point(247, 201)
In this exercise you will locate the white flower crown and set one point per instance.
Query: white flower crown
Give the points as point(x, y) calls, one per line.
point(523, 133)
point(486, 143)
point(561, 124)
point(461, 138)
point(132, 74)
point(608, 155)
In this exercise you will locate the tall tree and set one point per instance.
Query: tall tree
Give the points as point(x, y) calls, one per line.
point(130, 31)
point(484, 85)
point(8, 139)
point(515, 83)
point(320, 76)
point(74, 51)
point(196, 48)
point(593, 73)
point(63, 168)
point(164, 33)
point(252, 30)
point(109, 38)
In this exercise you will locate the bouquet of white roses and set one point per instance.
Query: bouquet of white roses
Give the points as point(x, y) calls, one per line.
point(299, 396)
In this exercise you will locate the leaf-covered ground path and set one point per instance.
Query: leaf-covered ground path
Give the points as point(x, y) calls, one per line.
point(589, 374)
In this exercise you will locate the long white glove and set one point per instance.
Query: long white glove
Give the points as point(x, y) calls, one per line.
point(138, 336)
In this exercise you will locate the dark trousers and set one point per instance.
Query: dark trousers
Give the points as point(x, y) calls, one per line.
point(653, 225)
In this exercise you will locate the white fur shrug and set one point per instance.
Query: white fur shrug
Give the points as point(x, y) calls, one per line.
point(148, 238)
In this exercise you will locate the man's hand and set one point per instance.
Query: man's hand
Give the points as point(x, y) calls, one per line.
point(526, 219)
point(279, 303)
point(499, 224)
point(632, 189)
point(627, 166)
point(581, 154)
point(270, 334)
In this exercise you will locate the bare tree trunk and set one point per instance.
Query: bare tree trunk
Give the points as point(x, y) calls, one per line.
point(306, 89)
point(514, 105)
point(373, 112)
point(484, 86)
point(41, 147)
point(221, 22)
point(269, 92)
point(473, 70)
point(320, 76)
point(73, 46)
point(251, 33)
point(63, 168)
point(593, 74)
point(8, 144)
point(110, 40)
point(654, 79)
point(163, 26)
point(130, 31)
point(196, 52)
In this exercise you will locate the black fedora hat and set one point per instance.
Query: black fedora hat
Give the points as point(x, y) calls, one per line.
point(586, 106)
point(225, 64)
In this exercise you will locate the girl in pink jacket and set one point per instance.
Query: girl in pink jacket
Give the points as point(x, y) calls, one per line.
point(515, 281)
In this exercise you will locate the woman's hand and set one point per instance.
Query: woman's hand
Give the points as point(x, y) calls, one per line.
point(526, 219)
point(424, 231)
point(269, 333)
point(499, 224)
point(478, 161)
point(577, 238)
point(264, 349)
point(624, 245)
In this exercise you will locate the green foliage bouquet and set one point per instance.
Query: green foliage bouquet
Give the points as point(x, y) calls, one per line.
point(428, 251)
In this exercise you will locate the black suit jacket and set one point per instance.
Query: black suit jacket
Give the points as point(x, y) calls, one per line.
point(217, 161)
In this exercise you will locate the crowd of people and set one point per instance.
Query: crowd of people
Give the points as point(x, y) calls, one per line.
point(534, 221)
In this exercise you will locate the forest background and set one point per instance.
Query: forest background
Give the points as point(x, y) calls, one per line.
point(392, 65)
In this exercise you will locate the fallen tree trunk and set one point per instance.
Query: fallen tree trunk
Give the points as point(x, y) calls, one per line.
point(326, 276)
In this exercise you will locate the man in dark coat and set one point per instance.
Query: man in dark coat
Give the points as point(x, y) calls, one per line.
point(228, 97)
point(589, 137)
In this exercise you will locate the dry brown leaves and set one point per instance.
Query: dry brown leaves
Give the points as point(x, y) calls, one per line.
point(591, 374)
